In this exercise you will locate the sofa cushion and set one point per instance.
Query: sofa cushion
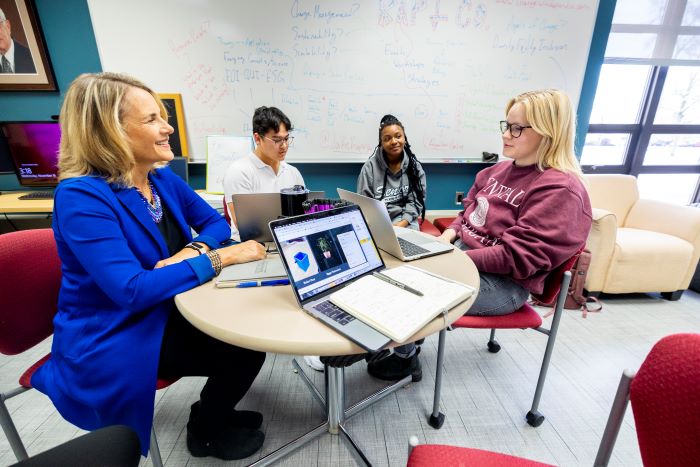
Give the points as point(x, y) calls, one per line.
point(636, 250)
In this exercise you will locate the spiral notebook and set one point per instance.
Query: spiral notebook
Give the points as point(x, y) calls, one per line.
point(396, 312)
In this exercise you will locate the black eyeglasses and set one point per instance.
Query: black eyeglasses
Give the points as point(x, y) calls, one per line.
point(515, 130)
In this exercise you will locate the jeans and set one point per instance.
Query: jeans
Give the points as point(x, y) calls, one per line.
point(498, 295)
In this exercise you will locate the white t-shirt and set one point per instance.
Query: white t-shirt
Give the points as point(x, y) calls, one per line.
point(251, 175)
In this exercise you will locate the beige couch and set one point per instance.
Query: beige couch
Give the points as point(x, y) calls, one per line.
point(639, 245)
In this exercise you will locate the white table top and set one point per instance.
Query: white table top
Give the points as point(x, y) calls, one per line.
point(269, 319)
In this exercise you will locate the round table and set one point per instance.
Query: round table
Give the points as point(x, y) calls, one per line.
point(269, 319)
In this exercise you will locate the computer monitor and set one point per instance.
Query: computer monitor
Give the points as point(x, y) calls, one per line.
point(33, 148)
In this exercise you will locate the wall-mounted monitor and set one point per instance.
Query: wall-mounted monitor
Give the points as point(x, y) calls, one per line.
point(33, 148)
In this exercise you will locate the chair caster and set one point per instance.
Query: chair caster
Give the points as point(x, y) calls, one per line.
point(493, 346)
point(534, 419)
point(436, 422)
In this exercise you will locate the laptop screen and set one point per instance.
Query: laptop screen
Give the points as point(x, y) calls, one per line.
point(323, 250)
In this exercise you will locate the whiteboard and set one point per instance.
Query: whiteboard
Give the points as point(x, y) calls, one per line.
point(445, 68)
point(221, 152)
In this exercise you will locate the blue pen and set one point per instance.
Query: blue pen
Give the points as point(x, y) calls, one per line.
point(242, 285)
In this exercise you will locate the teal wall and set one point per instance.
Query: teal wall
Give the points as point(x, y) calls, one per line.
point(73, 50)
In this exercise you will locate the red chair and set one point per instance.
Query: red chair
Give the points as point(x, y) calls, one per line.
point(555, 287)
point(430, 455)
point(665, 403)
point(227, 216)
point(30, 279)
point(441, 223)
point(427, 227)
point(665, 396)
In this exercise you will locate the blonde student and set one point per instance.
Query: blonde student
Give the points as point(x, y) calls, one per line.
point(522, 218)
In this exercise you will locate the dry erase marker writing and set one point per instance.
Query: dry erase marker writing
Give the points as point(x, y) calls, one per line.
point(398, 284)
point(242, 285)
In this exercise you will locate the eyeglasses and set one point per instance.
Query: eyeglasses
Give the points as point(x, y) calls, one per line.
point(280, 141)
point(515, 130)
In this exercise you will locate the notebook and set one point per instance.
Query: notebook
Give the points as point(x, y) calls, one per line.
point(255, 210)
point(394, 311)
point(268, 268)
point(404, 244)
point(323, 252)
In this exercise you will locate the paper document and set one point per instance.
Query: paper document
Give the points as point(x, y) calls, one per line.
point(396, 312)
point(268, 268)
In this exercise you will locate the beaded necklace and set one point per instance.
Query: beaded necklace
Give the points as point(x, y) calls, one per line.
point(156, 209)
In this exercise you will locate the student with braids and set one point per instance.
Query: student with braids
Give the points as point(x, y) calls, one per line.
point(393, 175)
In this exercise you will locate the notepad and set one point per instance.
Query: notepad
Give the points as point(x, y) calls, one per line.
point(395, 312)
point(268, 268)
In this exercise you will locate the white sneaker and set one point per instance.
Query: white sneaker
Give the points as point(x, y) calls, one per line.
point(314, 362)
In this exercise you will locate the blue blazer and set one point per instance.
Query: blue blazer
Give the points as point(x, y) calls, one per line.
point(113, 305)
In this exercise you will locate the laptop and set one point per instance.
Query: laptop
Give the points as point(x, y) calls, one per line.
point(404, 244)
point(323, 252)
point(254, 211)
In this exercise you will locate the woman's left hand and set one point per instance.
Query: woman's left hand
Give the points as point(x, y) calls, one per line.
point(402, 223)
point(185, 253)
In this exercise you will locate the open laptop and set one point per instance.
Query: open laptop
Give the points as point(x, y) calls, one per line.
point(401, 243)
point(254, 211)
point(323, 252)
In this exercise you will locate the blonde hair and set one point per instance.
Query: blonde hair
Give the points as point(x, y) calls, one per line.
point(549, 113)
point(93, 136)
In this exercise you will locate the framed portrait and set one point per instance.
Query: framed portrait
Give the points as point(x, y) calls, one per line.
point(24, 61)
point(176, 119)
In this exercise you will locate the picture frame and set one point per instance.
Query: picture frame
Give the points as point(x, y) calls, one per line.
point(31, 69)
point(176, 119)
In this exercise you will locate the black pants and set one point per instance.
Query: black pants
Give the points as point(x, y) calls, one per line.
point(187, 351)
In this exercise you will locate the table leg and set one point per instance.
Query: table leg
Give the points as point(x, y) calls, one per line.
point(309, 384)
point(336, 397)
point(376, 397)
point(292, 446)
point(353, 448)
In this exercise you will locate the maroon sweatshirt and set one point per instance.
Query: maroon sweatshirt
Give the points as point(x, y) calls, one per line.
point(523, 223)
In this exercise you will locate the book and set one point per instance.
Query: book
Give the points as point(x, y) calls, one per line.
point(268, 268)
point(395, 311)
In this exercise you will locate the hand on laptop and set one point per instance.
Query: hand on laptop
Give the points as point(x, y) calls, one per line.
point(448, 236)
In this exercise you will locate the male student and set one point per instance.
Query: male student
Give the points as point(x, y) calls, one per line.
point(14, 57)
point(264, 169)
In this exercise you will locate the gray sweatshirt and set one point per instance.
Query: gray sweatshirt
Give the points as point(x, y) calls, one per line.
point(371, 181)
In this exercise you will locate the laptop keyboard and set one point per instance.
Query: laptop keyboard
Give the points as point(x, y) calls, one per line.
point(333, 312)
point(410, 249)
point(37, 195)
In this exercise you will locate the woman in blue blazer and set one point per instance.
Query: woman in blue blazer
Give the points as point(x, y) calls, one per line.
point(122, 222)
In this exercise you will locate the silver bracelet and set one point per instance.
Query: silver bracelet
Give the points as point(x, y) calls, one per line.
point(215, 259)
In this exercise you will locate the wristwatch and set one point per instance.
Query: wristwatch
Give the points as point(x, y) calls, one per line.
point(196, 246)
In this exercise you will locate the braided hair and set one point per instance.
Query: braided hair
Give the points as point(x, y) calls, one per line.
point(414, 184)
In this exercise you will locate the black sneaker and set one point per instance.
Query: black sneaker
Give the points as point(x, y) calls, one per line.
point(394, 368)
point(230, 443)
point(238, 418)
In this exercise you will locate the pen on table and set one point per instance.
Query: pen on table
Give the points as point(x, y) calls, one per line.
point(241, 285)
point(398, 284)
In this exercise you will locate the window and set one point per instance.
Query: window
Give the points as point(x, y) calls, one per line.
point(646, 113)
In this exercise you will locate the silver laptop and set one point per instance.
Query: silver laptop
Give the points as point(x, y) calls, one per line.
point(404, 244)
point(254, 211)
point(323, 252)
